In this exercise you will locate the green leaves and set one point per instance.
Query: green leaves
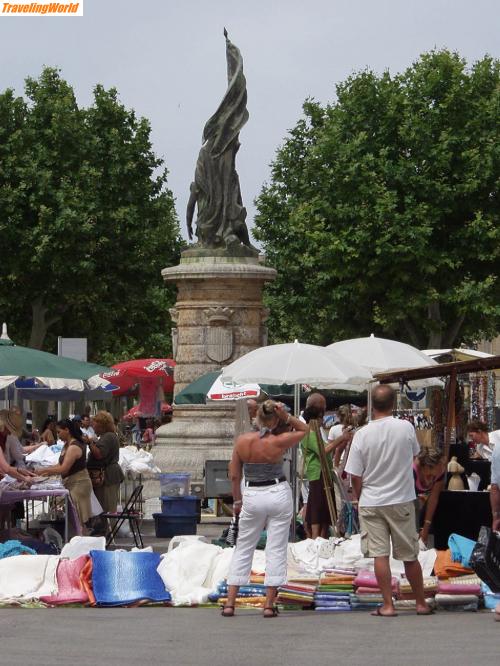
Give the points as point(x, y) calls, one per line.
point(383, 208)
point(87, 221)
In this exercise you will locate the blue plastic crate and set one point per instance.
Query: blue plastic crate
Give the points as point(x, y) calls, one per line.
point(179, 506)
point(169, 526)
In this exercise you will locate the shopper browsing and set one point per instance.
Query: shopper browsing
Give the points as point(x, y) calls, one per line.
point(266, 502)
point(380, 462)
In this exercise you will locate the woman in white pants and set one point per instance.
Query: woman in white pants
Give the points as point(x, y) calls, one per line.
point(266, 501)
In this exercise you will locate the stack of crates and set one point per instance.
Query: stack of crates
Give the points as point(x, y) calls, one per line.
point(179, 510)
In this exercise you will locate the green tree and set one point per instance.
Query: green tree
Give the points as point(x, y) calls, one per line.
point(382, 213)
point(86, 220)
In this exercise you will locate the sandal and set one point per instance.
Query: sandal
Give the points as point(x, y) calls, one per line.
point(227, 608)
point(270, 611)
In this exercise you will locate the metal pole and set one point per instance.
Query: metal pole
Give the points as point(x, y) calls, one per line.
point(293, 475)
point(66, 530)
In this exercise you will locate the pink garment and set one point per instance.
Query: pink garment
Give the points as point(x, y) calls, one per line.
point(366, 579)
point(70, 590)
point(459, 588)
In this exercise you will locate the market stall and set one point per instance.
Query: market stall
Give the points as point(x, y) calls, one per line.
point(462, 511)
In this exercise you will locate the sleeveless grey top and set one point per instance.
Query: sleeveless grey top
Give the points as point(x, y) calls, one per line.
point(262, 471)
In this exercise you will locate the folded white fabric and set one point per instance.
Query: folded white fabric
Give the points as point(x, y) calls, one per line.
point(82, 545)
point(26, 577)
point(44, 455)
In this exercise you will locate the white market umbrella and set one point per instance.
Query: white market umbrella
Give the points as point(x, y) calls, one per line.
point(383, 355)
point(223, 390)
point(296, 363)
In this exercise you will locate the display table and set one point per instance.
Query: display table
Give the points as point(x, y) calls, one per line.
point(461, 512)
point(9, 497)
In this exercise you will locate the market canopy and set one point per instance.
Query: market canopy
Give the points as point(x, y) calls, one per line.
point(128, 375)
point(57, 372)
point(208, 387)
point(297, 363)
point(384, 355)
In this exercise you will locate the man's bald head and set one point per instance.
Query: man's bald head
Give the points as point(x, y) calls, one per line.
point(252, 408)
point(316, 401)
point(383, 397)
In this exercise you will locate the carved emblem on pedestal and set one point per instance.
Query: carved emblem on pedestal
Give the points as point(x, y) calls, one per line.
point(219, 334)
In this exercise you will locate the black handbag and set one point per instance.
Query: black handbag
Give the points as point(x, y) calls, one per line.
point(485, 558)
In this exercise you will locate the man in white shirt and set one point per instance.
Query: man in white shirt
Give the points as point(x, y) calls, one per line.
point(495, 500)
point(380, 462)
point(485, 441)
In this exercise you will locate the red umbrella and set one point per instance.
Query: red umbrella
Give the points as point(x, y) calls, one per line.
point(135, 411)
point(127, 375)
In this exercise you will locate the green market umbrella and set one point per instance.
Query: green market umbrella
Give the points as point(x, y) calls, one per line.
point(196, 392)
point(51, 370)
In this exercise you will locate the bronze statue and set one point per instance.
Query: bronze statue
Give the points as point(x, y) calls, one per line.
point(216, 188)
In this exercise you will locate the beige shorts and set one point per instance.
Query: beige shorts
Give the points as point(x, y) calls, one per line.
point(381, 525)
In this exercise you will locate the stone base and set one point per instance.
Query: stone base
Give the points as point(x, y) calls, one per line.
point(218, 317)
point(197, 433)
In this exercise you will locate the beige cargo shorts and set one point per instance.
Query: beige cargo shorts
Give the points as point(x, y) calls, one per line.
point(383, 525)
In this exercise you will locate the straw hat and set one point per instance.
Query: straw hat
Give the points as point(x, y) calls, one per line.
point(12, 420)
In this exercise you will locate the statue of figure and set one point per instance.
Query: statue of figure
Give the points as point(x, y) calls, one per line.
point(216, 187)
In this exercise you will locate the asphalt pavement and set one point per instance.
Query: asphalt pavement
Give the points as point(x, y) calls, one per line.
point(192, 636)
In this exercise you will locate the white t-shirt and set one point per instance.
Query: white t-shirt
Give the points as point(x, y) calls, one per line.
point(486, 450)
point(495, 460)
point(335, 431)
point(382, 454)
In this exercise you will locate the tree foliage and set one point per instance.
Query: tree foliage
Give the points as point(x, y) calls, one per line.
point(86, 221)
point(382, 214)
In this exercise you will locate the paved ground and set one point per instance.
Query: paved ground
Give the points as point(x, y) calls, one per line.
point(178, 636)
point(189, 637)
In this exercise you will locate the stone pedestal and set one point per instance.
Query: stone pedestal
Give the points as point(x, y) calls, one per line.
point(218, 317)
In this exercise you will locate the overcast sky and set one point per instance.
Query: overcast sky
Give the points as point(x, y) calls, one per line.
point(167, 60)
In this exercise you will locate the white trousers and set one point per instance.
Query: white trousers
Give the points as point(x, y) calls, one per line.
point(266, 507)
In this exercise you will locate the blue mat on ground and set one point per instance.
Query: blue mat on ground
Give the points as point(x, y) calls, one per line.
point(123, 578)
point(332, 609)
point(461, 549)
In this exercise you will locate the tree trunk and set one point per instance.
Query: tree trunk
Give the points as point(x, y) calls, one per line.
point(453, 332)
point(435, 340)
point(39, 327)
point(412, 332)
point(40, 324)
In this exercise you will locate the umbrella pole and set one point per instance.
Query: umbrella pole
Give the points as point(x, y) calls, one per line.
point(293, 475)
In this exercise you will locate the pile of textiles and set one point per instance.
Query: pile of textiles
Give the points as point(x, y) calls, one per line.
point(122, 578)
point(293, 595)
point(406, 597)
point(69, 585)
point(461, 549)
point(14, 547)
point(135, 461)
point(459, 594)
point(252, 595)
point(490, 599)
point(28, 577)
point(367, 595)
point(430, 588)
point(333, 593)
point(445, 567)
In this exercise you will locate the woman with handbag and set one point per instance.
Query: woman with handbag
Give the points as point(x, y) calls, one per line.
point(72, 467)
point(102, 463)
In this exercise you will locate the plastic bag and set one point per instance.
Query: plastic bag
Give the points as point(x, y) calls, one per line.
point(485, 557)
